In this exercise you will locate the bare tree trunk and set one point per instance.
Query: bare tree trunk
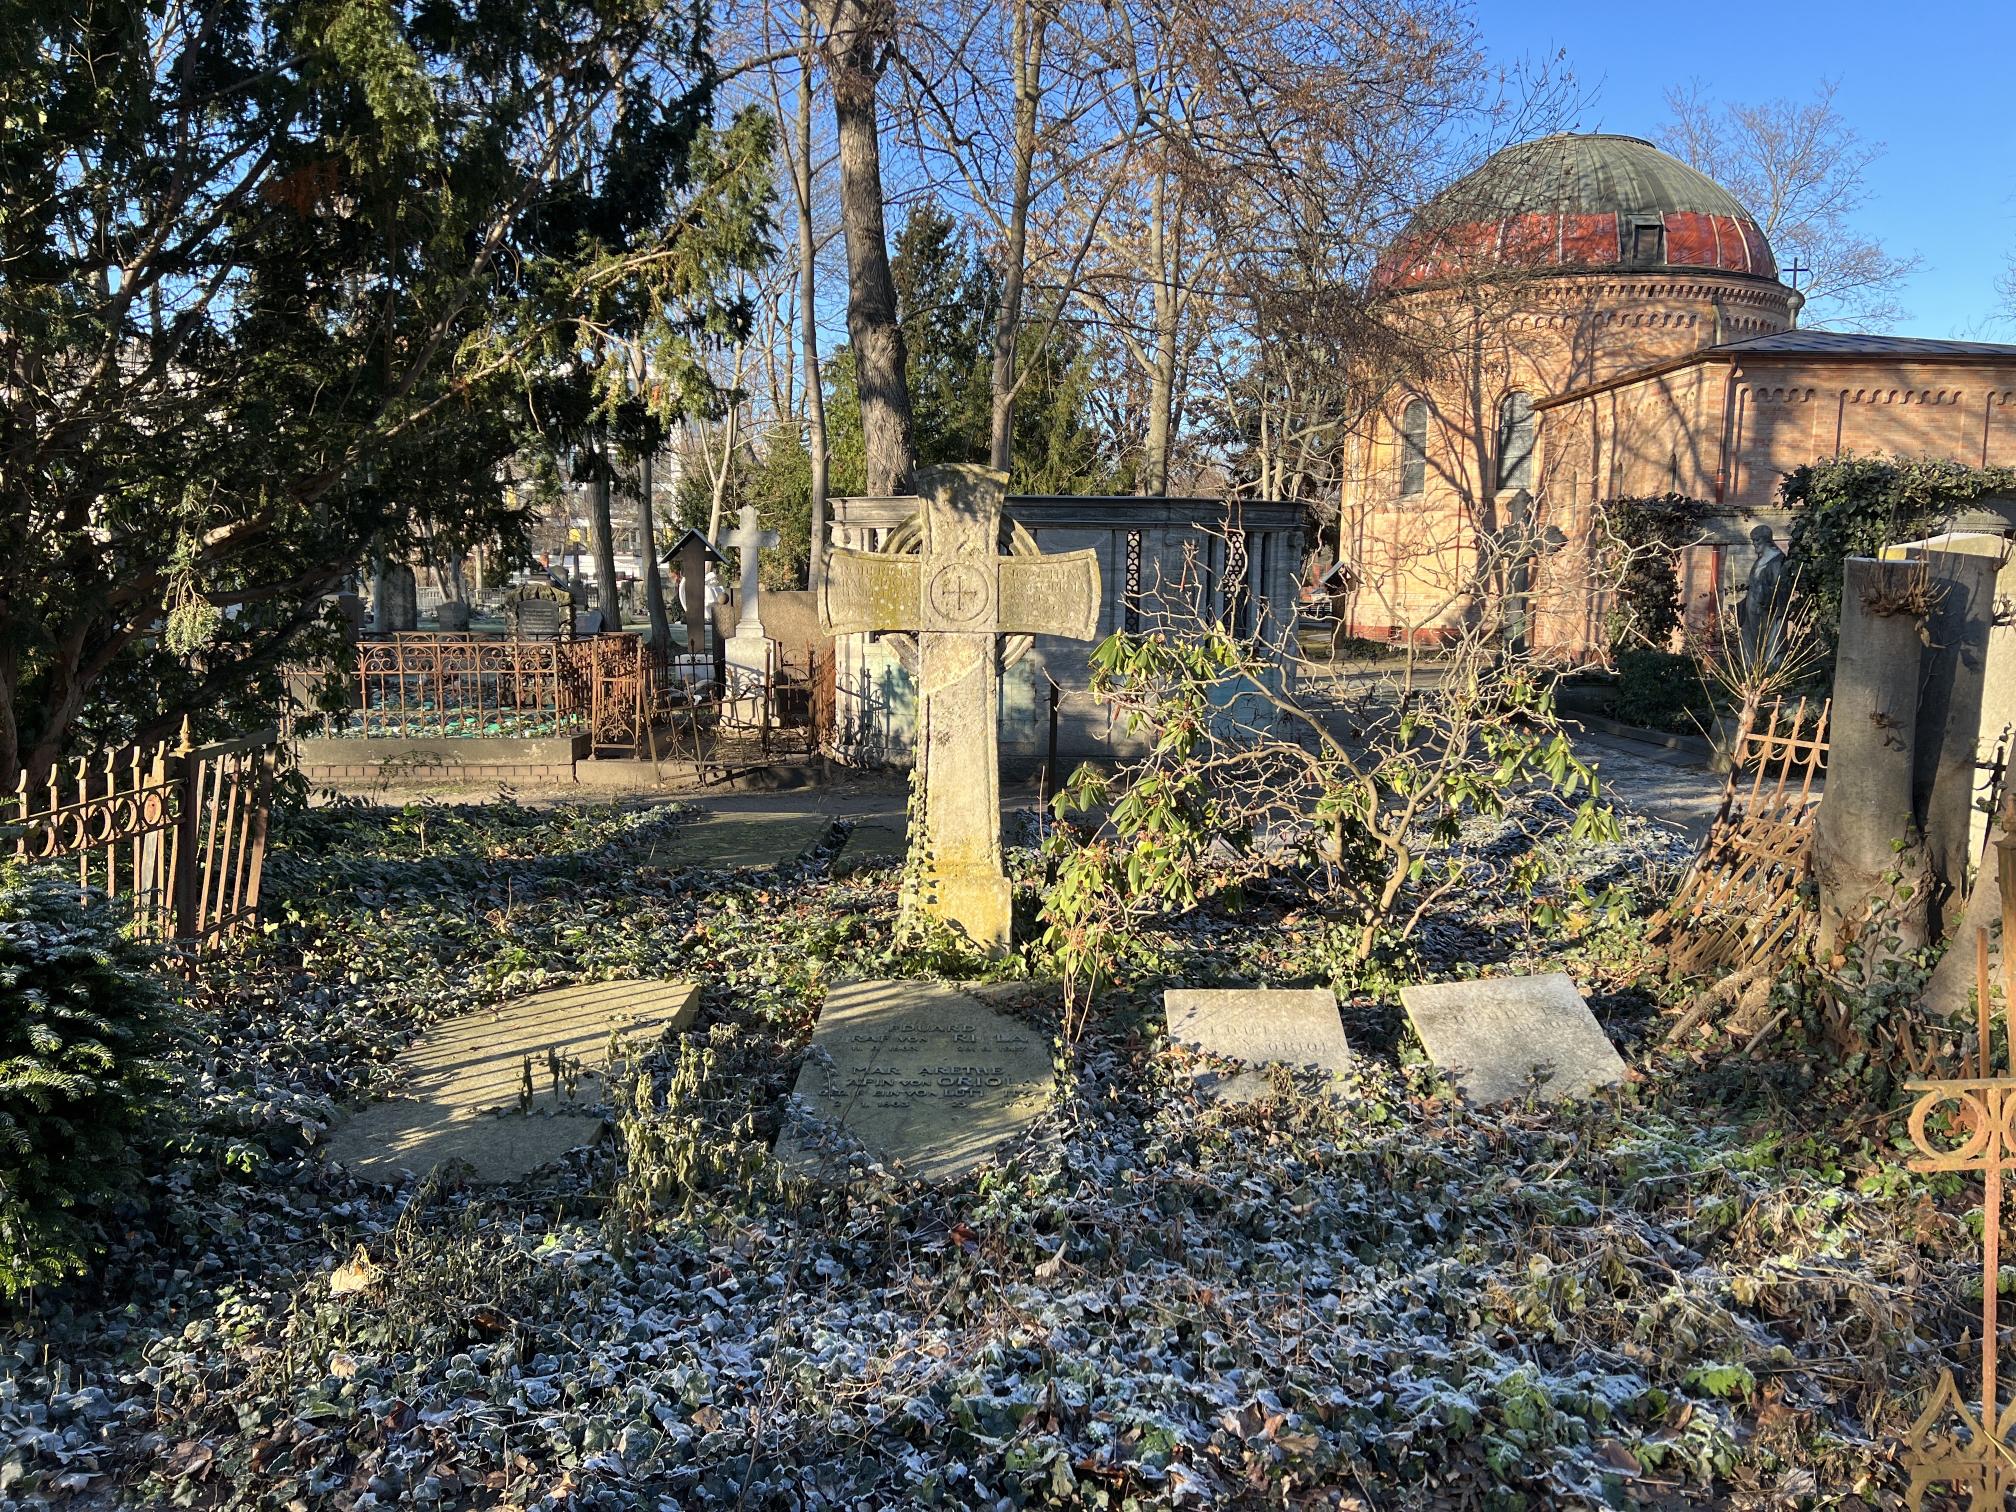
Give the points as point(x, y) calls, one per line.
point(603, 542)
point(1030, 23)
point(857, 33)
point(815, 393)
point(647, 526)
point(1162, 372)
point(718, 476)
point(654, 581)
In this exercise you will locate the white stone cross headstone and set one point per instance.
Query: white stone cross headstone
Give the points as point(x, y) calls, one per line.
point(959, 596)
point(749, 539)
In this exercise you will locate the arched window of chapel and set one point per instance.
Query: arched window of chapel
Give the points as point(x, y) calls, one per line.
point(1515, 441)
point(1414, 448)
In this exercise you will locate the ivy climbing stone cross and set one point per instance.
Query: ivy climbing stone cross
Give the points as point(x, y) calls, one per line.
point(958, 594)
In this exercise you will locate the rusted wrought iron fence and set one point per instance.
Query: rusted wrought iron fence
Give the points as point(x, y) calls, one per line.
point(1740, 901)
point(614, 687)
point(421, 685)
point(176, 831)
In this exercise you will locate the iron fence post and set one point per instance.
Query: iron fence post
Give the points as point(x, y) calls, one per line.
point(188, 822)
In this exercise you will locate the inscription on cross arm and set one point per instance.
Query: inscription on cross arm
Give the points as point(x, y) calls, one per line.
point(958, 594)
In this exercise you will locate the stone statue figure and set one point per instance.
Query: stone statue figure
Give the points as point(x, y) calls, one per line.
point(1766, 598)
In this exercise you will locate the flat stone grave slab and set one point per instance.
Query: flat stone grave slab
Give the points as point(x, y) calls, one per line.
point(875, 840)
point(1261, 1026)
point(1494, 1036)
point(462, 1072)
point(923, 1074)
point(734, 840)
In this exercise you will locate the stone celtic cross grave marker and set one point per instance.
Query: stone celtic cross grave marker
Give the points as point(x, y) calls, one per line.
point(920, 1073)
point(1260, 1026)
point(959, 596)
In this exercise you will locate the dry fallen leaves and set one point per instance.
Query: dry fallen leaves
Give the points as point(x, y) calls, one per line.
point(357, 1274)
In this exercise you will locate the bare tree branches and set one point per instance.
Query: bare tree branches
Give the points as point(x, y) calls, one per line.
point(1801, 170)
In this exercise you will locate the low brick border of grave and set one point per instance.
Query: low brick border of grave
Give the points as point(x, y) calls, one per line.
point(475, 758)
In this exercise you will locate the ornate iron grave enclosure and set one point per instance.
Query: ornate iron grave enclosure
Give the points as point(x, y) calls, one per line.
point(1968, 1124)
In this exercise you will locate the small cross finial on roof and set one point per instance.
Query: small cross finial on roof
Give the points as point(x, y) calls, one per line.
point(1794, 272)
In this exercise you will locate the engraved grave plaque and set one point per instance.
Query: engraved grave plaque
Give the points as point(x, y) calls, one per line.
point(1260, 1026)
point(921, 1074)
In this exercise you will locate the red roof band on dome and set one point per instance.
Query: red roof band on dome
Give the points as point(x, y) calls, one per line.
point(1578, 203)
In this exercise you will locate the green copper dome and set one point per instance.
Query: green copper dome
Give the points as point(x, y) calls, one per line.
point(1580, 202)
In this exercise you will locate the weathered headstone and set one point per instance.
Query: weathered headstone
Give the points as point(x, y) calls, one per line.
point(920, 1074)
point(1260, 1026)
point(1496, 1037)
point(691, 554)
point(398, 605)
point(351, 607)
point(960, 596)
point(465, 1081)
point(539, 611)
point(748, 653)
point(1871, 755)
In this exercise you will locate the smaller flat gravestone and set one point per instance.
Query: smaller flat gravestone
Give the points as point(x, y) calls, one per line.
point(1260, 1026)
point(921, 1074)
point(465, 1080)
point(1494, 1038)
point(735, 839)
point(875, 840)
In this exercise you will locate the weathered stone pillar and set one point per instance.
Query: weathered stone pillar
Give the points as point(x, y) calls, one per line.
point(398, 606)
point(1867, 808)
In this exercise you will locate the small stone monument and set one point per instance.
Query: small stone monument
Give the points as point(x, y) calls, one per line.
point(1260, 1026)
point(921, 1074)
point(959, 596)
point(398, 608)
point(539, 611)
point(749, 648)
point(1494, 1038)
point(467, 1095)
point(350, 606)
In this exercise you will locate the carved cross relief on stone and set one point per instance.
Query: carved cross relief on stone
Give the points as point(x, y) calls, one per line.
point(958, 594)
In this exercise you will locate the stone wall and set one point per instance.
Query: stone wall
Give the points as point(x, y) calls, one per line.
point(1726, 431)
point(478, 761)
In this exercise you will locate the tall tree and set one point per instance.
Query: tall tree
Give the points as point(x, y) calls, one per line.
point(278, 282)
point(1007, 106)
point(818, 468)
point(946, 299)
point(1802, 170)
point(859, 35)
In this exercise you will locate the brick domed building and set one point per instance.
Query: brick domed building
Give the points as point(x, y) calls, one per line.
point(1587, 318)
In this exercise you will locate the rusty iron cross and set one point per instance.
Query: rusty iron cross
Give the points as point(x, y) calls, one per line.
point(1977, 1461)
point(958, 594)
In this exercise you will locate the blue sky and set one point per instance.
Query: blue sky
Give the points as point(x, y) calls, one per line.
point(1932, 83)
